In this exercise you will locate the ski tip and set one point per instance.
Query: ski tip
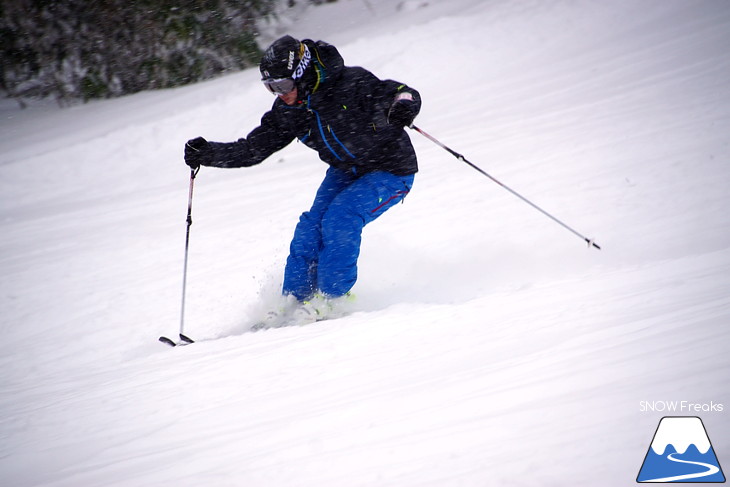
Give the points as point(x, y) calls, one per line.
point(167, 341)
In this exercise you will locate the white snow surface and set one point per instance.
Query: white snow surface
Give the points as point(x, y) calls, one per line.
point(489, 346)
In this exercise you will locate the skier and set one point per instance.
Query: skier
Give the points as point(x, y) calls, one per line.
point(355, 122)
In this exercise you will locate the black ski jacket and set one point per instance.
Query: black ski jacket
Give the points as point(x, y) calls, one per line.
point(343, 117)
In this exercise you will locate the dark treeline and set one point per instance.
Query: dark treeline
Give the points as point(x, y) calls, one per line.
point(83, 49)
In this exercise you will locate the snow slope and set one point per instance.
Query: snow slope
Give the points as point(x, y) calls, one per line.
point(489, 346)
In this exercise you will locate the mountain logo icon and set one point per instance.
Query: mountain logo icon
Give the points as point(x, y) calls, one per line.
point(681, 452)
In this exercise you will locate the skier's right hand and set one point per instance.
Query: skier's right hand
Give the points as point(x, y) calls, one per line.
point(196, 152)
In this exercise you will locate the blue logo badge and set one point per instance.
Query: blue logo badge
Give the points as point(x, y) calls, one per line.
point(681, 452)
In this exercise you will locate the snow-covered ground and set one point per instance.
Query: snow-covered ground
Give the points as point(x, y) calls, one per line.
point(489, 345)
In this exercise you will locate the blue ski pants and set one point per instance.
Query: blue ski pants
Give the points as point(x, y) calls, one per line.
point(326, 244)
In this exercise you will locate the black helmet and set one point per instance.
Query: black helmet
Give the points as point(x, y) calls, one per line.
point(285, 59)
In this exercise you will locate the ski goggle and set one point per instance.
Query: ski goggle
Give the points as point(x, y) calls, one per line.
point(279, 86)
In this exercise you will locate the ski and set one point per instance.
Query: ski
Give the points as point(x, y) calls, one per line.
point(184, 340)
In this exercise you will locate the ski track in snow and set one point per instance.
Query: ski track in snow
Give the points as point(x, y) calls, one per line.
point(711, 470)
point(488, 347)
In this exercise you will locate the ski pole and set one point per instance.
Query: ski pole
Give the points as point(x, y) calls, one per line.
point(590, 242)
point(189, 222)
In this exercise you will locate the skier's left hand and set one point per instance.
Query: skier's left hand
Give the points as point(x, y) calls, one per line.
point(403, 110)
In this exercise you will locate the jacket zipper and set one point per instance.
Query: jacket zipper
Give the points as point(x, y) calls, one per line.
point(324, 136)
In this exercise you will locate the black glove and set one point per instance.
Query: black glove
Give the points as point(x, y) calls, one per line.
point(403, 110)
point(197, 152)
